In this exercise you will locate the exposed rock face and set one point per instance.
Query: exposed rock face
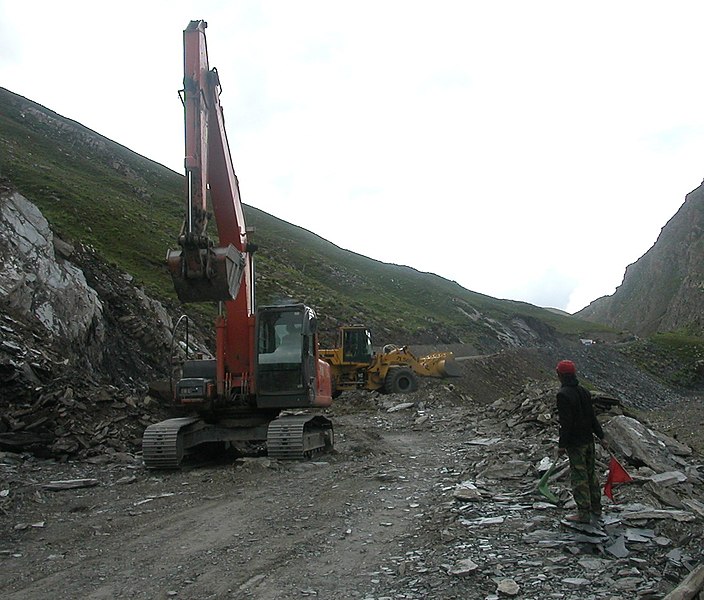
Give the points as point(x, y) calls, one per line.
point(518, 332)
point(664, 289)
point(65, 310)
point(37, 284)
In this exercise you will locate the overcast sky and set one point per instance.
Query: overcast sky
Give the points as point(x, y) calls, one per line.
point(527, 150)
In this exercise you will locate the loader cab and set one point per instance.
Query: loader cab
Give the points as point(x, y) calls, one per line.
point(356, 343)
point(286, 356)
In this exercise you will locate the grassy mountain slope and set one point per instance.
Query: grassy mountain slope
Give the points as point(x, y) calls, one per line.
point(129, 209)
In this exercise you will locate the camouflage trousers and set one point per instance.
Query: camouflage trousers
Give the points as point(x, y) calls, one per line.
point(585, 485)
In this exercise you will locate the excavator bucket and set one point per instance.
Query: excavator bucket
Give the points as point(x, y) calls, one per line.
point(441, 364)
point(206, 274)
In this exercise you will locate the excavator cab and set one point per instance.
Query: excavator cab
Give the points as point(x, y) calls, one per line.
point(286, 357)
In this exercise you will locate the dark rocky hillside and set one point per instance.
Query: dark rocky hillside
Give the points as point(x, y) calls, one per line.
point(663, 290)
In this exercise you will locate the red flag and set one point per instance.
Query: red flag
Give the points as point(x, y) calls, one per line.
point(617, 474)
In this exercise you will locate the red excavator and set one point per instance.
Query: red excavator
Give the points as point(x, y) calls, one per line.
point(266, 361)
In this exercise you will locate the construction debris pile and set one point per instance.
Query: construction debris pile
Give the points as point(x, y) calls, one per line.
point(67, 423)
point(52, 410)
point(492, 518)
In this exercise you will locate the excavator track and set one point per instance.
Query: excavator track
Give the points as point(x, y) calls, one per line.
point(297, 437)
point(162, 444)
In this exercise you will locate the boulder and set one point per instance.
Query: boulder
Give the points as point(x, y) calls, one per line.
point(643, 446)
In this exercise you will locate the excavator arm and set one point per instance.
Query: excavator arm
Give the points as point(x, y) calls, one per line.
point(201, 269)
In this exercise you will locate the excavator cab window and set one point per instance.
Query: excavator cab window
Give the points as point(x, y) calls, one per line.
point(281, 354)
point(280, 337)
point(356, 346)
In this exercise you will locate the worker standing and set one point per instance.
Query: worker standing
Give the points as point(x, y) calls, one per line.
point(578, 426)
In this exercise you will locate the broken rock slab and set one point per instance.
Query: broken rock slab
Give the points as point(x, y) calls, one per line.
point(576, 581)
point(463, 567)
point(618, 548)
point(690, 586)
point(402, 406)
point(483, 441)
point(467, 492)
point(676, 515)
point(640, 444)
point(668, 478)
point(69, 484)
point(508, 587)
point(695, 506)
point(665, 495)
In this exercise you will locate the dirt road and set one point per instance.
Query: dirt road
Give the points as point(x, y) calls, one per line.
point(261, 529)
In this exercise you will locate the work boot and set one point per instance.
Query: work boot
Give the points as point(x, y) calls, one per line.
point(578, 518)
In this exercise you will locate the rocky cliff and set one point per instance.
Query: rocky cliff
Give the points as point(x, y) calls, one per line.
point(64, 310)
point(664, 289)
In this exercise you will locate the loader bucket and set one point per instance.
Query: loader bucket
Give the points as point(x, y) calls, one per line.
point(206, 274)
point(442, 364)
point(450, 368)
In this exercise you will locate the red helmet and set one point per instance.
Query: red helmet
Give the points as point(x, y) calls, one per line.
point(566, 367)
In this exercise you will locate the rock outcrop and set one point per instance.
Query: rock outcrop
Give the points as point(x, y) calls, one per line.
point(36, 282)
point(664, 289)
point(67, 313)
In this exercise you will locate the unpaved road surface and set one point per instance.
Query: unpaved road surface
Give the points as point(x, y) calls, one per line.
point(376, 519)
point(260, 529)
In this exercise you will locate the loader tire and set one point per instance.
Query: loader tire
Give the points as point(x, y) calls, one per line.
point(400, 380)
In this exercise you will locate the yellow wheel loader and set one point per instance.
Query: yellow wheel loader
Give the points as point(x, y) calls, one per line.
point(395, 370)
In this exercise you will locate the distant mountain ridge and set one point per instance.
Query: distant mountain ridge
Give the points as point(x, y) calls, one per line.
point(663, 290)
